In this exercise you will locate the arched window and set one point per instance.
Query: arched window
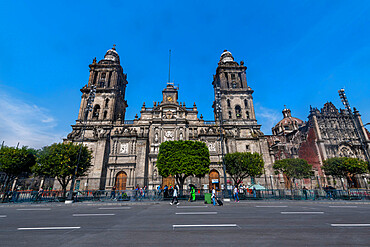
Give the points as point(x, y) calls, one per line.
point(246, 103)
point(96, 111)
point(228, 103)
point(247, 114)
point(230, 114)
point(238, 111)
point(105, 115)
point(106, 103)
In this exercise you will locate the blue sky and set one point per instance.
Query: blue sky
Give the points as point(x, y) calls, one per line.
point(298, 53)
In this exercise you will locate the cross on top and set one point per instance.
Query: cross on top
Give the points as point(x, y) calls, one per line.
point(114, 47)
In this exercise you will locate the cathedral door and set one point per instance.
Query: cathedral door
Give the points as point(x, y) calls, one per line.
point(121, 181)
point(214, 180)
point(169, 181)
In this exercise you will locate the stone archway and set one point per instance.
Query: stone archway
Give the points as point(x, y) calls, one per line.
point(214, 180)
point(121, 180)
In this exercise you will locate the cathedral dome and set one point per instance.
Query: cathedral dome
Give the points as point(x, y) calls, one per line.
point(287, 124)
point(112, 55)
point(226, 56)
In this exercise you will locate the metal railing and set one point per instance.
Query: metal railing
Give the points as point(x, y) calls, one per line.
point(154, 195)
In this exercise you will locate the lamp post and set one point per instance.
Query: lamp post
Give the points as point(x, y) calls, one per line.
point(219, 114)
point(88, 109)
point(345, 102)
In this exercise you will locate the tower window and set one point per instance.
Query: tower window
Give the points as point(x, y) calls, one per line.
point(102, 76)
point(106, 103)
point(96, 112)
point(228, 103)
point(230, 114)
point(105, 115)
point(247, 114)
point(238, 111)
point(247, 147)
point(245, 103)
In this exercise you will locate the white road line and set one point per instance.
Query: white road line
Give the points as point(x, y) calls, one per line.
point(197, 213)
point(342, 206)
point(78, 215)
point(115, 208)
point(2, 216)
point(33, 209)
point(49, 228)
point(219, 225)
point(192, 206)
point(350, 225)
point(271, 206)
point(302, 212)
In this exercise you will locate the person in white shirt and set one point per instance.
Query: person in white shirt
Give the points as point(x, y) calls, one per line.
point(214, 196)
point(174, 196)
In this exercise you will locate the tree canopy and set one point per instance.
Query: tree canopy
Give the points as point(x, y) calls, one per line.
point(60, 160)
point(15, 161)
point(344, 167)
point(182, 159)
point(293, 168)
point(242, 165)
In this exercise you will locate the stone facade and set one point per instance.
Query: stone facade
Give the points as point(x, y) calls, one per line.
point(328, 133)
point(127, 150)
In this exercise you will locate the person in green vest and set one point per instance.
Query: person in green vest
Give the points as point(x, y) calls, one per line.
point(192, 193)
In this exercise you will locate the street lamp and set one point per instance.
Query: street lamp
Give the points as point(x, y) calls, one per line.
point(88, 109)
point(345, 102)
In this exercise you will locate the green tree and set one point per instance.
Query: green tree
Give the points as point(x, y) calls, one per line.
point(344, 167)
point(242, 165)
point(182, 159)
point(14, 162)
point(293, 169)
point(60, 160)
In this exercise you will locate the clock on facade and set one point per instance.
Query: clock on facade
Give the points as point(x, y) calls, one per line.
point(169, 98)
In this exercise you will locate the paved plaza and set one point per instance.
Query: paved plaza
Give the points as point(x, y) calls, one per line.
point(248, 223)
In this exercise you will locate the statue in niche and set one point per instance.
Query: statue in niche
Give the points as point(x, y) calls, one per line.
point(156, 139)
point(181, 136)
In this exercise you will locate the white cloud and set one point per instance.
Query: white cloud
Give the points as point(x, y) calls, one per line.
point(268, 118)
point(26, 123)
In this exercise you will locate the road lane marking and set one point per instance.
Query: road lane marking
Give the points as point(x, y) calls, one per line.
point(350, 225)
point(271, 206)
point(192, 206)
point(49, 228)
point(2, 216)
point(81, 215)
point(33, 209)
point(115, 208)
point(214, 225)
point(342, 206)
point(197, 213)
point(302, 212)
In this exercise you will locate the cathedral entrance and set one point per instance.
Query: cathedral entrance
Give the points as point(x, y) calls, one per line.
point(214, 180)
point(169, 181)
point(121, 179)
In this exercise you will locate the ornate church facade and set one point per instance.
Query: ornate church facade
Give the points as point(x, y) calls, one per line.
point(125, 151)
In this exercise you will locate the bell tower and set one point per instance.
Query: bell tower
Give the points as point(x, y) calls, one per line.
point(110, 81)
point(236, 95)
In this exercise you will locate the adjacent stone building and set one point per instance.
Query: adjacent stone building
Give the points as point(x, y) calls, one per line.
point(125, 151)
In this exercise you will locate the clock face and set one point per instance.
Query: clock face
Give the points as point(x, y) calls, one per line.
point(169, 98)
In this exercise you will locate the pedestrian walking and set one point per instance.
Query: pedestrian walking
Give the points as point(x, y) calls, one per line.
point(254, 192)
point(113, 193)
point(236, 196)
point(214, 196)
point(174, 196)
point(305, 192)
point(193, 194)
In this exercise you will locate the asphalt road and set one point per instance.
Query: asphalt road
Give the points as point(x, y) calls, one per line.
point(273, 223)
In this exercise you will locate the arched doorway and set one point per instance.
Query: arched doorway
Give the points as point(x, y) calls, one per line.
point(214, 180)
point(121, 179)
point(169, 181)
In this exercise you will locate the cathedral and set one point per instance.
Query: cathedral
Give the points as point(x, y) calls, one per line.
point(125, 151)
